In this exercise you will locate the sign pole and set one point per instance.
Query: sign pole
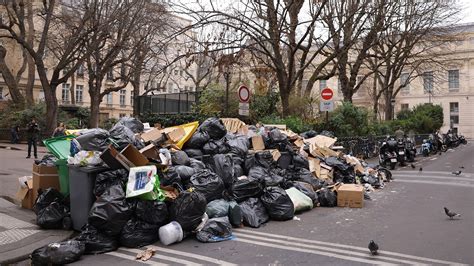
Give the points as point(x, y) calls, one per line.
point(327, 117)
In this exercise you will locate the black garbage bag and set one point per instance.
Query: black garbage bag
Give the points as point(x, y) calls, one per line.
point(238, 171)
point(95, 241)
point(197, 140)
point(276, 136)
point(337, 163)
point(208, 183)
point(193, 152)
point(51, 217)
point(214, 127)
point(94, 139)
point(107, 179)
point(170, 177)
point(327, 198)
point(346, 177)
point(309, 134)
point(152, 212)
point(217, 208)
point(111, 211)
point(196, 164)
point(278, 204)
point(372, 180)
point(246, 188)
point(121, 136)
point(46, 197)
point(264, 159)
point(185, 173)
point(265, 176)
point(307, 189)
point(239, 145)
point(300, 162)
point(137, 233)
point(47, 160)
point(58, 253)
point(235, 214)
point(179, 158)
point(327, 133)
point(215, 230)
point(223, 166)
point(188, 209)
point(304, 175)
point(135, 125)
point(219, 146)
point(253, 212)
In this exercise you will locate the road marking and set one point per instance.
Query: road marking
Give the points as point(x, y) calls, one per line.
point(332, 250)
point(129, 257)
point(433, 172)
point(447, 178)
point(435, 183)
point(434, 158)
point(164, 257)
point(258, 243)
point(343, 246)
point(193, 255)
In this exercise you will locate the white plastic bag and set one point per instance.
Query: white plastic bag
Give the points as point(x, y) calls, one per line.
point(84, 158)
point(299, 199)
point(141, 180)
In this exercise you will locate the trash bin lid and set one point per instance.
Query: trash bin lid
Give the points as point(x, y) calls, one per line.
point(59, 146)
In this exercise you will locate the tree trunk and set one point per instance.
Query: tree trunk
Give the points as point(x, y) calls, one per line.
point(285, 102)
point(9, 79)
point(31, 63)
point(51, 109)
point(136, 99)
point(95, 109)
point(72, 89)
point(388, 106)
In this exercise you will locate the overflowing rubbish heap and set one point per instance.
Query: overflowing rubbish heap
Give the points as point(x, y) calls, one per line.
point(194, 180)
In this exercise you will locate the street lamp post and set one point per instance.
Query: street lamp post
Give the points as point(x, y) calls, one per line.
point(227, 82)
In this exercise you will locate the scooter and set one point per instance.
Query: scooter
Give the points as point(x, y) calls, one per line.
point(426, 147)
point(462, 139)
point(401, 152)
point(388, 153)
point(410, 150)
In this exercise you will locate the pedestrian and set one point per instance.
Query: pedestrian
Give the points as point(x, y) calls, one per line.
point(32, 133)
point(14, 134)
point(60, 130)
point(399, 133)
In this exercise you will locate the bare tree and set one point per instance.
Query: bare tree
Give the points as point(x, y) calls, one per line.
point(411, 42)
point(62, 32)
point(284, 35)
point(12, 80)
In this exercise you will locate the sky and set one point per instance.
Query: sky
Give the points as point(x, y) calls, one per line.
point(468, 15)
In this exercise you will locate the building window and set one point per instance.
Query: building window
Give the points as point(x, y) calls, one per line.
point(405, 107)
point(404, 82)
point(454, 107)
point(123, 94)
point(65, 92)
point(428, 82)
point(454, 119)
point(122, 115)
point(109, 98)
point(131, 98)
point(79, 93)
point(453, 79)
point(176, 72)
point(110, 75)
point(80, 70)
point(323, 84)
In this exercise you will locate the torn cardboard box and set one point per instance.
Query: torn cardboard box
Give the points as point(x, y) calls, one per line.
point(174, 134)
point(232, 125)
point(127, 158)
point(350, 195)
point(25, 192)
point(321, 141)
point(257, 143)
point(44, 177)
point(150, 151)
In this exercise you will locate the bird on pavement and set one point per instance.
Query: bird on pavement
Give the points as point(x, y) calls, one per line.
point(456, 173)
point(451, 214)
point(439, 153)
point(412, 166)
point(421, 169)
point(373, 247)
point(462, 167)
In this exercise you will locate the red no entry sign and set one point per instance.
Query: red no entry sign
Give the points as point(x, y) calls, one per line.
point(327, 94)
point(244, 94)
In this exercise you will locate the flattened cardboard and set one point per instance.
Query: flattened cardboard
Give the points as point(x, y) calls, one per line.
point(350, 195)
point(280, 127)
point(299, 143)
point(276, 154)
point(43, 169)
point(257, 143)
point(150, 151)
point(134, 156)
point(314, 166)
point(321, 141)
point(152, 135)
point(174, 134)
point(232, 124)
point(25, 193)
point(244, 130)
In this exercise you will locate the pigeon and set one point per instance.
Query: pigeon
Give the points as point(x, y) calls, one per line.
point(450, 214)
point(462, 167)
point(373, 247)
point(412, 166)
point(456, 173)
point(439, 153)
point(421, 169)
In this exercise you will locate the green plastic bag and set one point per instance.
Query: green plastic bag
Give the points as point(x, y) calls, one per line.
point(299, 199)
point(144, 183)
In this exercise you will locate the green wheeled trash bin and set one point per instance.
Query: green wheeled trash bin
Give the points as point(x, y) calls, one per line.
point(63, 173)
point(81, 183)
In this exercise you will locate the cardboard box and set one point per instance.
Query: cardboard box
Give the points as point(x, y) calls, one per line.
point(152, 135)
point(257, 143)
point(280, 127)
point(25, 192)
point(350, 195)
point(174, 134)
point(44, 177)
point(150, 151)
point(127, 158)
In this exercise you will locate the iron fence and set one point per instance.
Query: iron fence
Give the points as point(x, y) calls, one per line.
point(171, 103)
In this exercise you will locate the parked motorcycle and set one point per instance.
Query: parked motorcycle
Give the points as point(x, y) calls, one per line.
point(438, 143)
point(388, 153)
point(426, 147)
point(462, 139)
point(410, 150)
point(401, 152)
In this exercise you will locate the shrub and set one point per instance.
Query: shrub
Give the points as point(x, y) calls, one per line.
point(349, 120)
point(296, 124)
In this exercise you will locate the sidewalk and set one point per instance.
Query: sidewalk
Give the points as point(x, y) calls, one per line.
point(19, 235)
point(21, 147)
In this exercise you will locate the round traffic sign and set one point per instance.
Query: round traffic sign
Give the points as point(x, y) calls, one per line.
point(244, 94)
point(327, 94)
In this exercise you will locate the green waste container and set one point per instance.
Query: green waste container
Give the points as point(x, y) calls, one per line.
point(63, 172)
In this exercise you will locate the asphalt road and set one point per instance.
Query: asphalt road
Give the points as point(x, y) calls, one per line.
point(406, 219)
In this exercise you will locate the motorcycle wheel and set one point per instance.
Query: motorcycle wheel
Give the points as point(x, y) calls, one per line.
point(444, 148)
point(425, 153)
point(392, 166)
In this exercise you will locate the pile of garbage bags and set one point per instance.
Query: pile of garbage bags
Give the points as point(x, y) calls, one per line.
point(216, 179)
